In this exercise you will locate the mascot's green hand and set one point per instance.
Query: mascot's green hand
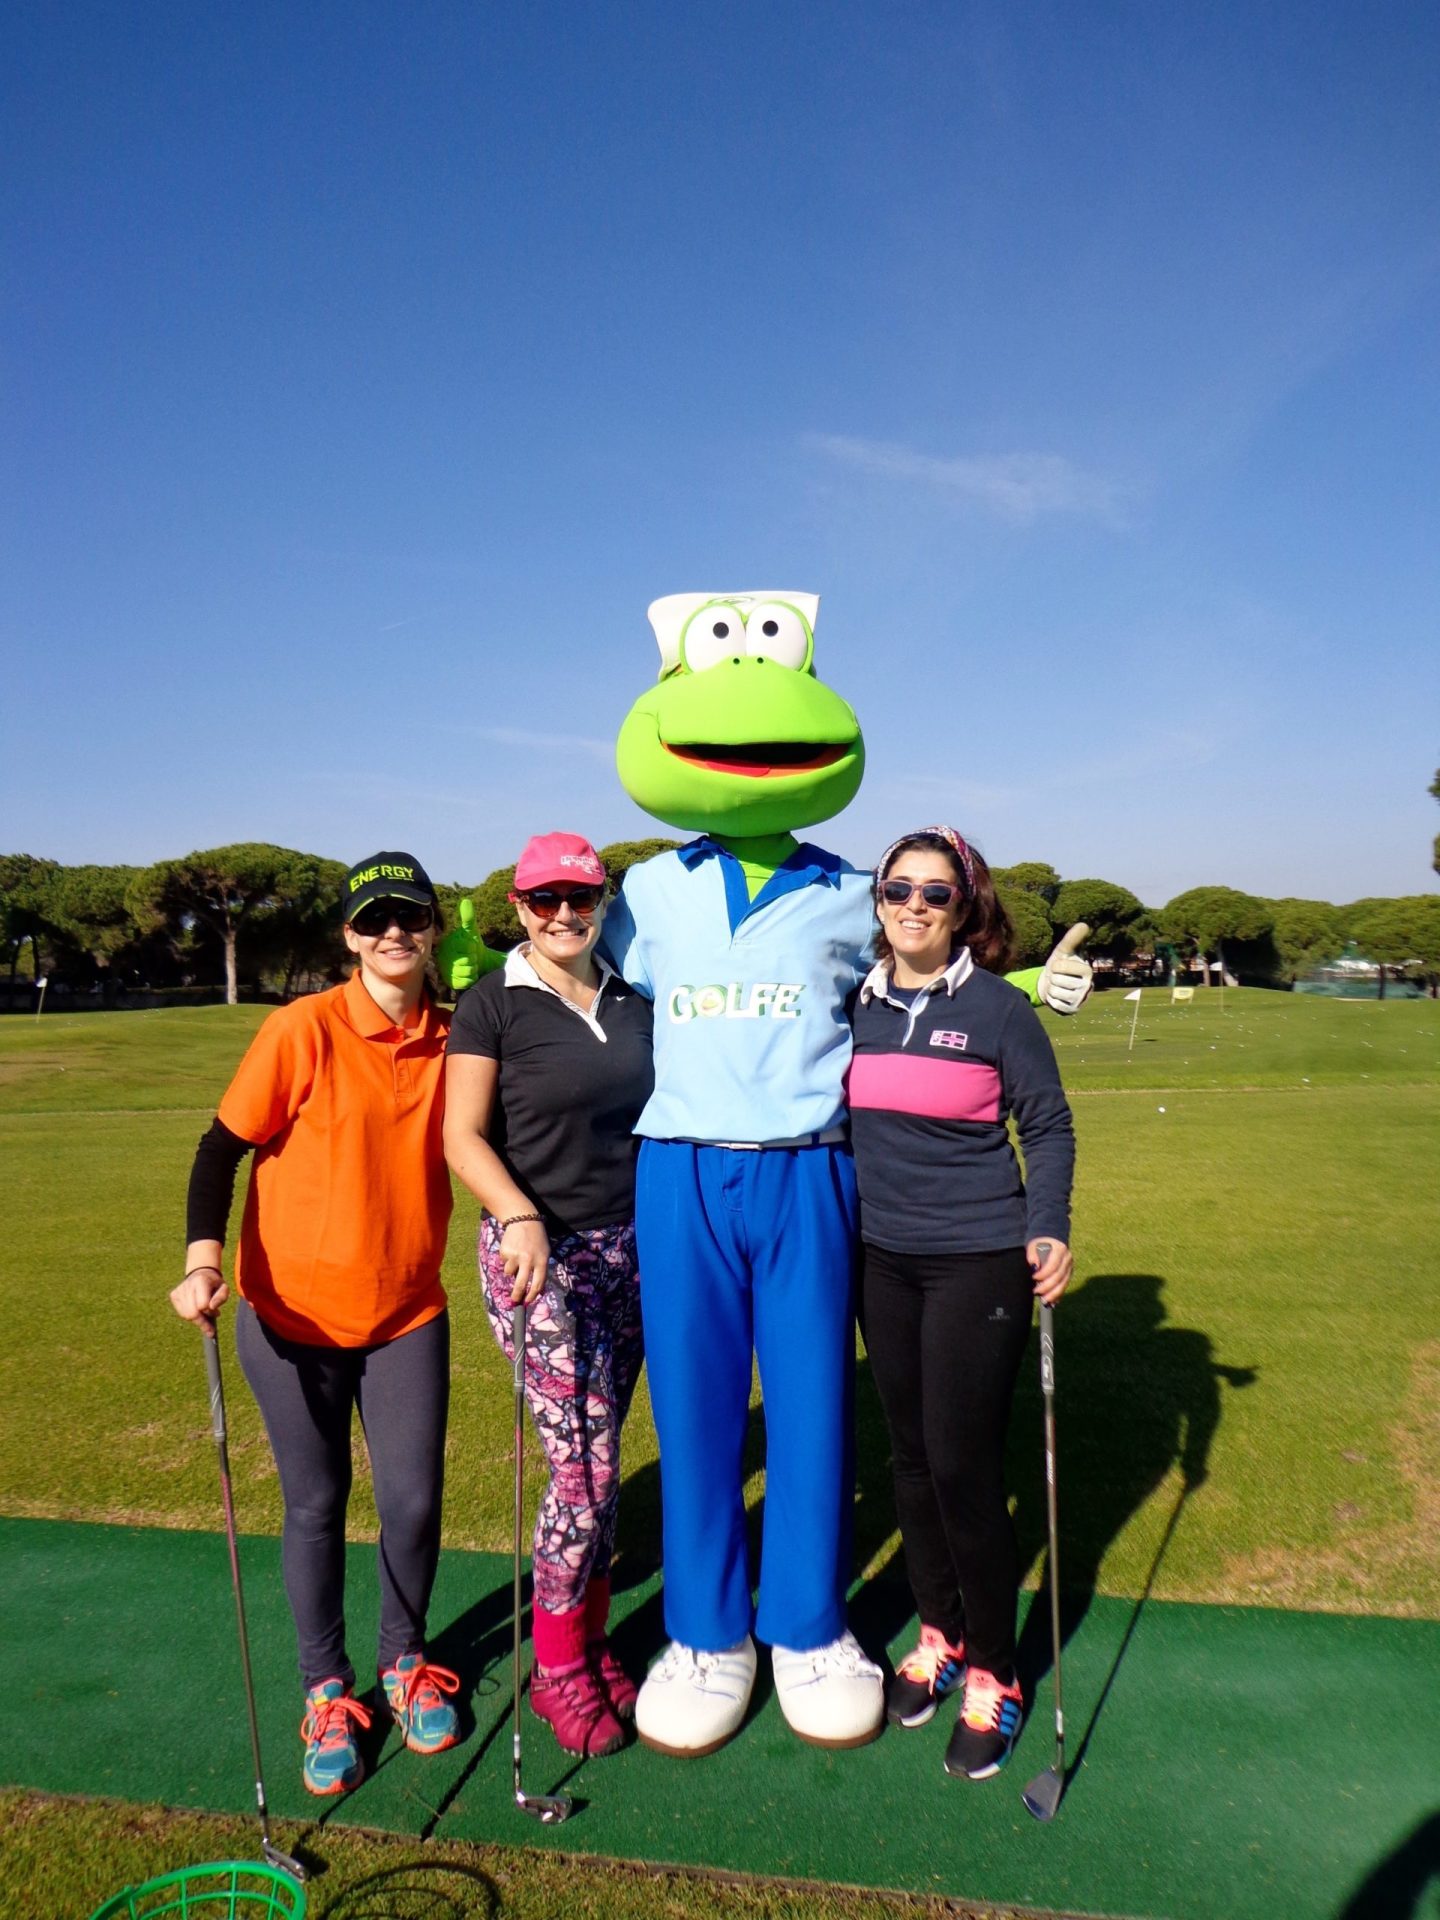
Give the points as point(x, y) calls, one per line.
point(462, 956)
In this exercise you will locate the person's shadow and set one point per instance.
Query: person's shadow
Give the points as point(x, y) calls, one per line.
point(1394, 1888)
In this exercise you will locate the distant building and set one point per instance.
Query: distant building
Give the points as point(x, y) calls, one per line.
point(1353, 975)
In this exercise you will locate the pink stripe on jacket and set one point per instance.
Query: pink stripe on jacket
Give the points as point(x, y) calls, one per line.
point(914, 1083)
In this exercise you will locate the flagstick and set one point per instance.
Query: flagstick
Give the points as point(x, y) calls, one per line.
point(1134, 1023)
point(40, 1003)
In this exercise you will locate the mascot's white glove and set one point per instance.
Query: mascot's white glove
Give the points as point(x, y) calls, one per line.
point(1067, 977)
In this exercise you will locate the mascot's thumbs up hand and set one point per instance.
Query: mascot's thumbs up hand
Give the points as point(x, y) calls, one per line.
point(1067, 977)
point(462, 956)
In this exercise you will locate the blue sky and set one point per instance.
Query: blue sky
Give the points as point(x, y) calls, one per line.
point(370, 368)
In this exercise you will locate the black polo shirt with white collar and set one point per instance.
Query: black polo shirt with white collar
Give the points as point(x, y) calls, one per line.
point(571, 1087)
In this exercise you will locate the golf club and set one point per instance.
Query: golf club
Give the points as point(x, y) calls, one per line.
point(272, 1854)
point(1042, 1796)
point(549, 1809)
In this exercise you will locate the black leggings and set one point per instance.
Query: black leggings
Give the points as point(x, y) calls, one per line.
point(945, 1334)
point(307, 1398)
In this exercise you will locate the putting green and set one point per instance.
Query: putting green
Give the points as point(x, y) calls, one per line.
point(1233, 1761)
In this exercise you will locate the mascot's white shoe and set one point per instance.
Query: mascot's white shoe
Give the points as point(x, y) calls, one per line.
point(832, 1696)
point(693, 1702)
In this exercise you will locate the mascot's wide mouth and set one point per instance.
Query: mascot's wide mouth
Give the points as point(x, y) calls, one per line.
point(757, 758)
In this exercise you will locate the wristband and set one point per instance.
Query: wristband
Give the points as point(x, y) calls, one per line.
point(516, 1219)
point(205, 1268)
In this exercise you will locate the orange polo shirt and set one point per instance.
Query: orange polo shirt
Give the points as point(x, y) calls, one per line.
point(349, 1200)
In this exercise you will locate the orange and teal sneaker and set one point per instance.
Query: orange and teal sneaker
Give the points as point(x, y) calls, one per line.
point(414, 1690)
point(332, 1756)
point(988, 1723)
point(924, 1677)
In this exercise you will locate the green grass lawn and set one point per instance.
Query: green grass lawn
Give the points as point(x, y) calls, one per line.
point(1253, 1323)
point(1249, 1364)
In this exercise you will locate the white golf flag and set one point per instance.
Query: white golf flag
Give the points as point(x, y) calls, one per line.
point(1133, 996)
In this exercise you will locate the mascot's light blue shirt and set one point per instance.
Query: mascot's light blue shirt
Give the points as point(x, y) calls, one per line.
point(751, 1038)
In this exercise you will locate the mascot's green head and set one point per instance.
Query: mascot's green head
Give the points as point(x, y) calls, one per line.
point(739, 738)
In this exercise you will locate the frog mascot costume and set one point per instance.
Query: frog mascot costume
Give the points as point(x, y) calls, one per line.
point(748, 941)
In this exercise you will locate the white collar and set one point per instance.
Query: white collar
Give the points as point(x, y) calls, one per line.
point(520, 971)
point(877, 983)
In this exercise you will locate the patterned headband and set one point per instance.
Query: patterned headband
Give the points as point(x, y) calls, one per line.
point(952, 840)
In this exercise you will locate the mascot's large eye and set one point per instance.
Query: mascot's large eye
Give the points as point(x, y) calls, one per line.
point(779, 633)
point(711, 635)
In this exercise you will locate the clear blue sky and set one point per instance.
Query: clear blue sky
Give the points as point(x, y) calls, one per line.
point(370, 368)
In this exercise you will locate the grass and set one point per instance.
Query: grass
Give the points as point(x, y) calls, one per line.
point(1250, 1352)
point(64, 1857)
point(1253, 1228)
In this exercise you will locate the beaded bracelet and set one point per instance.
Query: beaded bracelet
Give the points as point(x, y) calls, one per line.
point(516, 1218)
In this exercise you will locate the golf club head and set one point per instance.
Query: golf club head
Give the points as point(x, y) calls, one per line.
point(548, 1809)
point(1042, 1796)
point(287, 1863)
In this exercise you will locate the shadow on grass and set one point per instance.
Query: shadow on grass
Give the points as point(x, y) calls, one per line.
point(416, 1888)
point(1134, 1398)
point(1396, 1886)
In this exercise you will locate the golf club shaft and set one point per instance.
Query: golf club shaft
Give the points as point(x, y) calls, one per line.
point(217, 1427)
point(517, 1325)
point(1052, 1513)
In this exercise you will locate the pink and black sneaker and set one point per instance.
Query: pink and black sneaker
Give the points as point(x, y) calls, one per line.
point(928, 1672)
point(986, 1729)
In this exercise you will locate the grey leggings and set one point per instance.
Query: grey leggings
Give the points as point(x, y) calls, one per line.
point(308, 1396)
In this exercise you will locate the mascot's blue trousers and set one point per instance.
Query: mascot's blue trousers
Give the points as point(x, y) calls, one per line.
point(751, 1251)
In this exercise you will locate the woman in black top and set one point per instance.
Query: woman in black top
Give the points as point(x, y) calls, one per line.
point(549, 1066)
point(955, 1248)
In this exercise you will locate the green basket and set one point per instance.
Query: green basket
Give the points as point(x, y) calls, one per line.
point(223, 1890)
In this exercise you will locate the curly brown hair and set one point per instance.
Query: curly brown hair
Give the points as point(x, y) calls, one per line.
point(984, 925)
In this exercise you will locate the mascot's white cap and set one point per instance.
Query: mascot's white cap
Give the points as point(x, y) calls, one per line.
point(668, 615)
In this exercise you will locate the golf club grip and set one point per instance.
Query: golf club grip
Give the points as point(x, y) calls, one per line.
point(211, 1344)
point(1047, 1350)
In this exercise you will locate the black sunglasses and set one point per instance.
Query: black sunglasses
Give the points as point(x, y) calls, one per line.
point(546, 902)
point(935, 893)
point(378, 917)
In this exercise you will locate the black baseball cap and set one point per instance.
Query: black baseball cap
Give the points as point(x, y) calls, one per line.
point(386, 876)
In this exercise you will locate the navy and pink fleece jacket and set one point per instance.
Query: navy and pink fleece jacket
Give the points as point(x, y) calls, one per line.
point(930, 1088)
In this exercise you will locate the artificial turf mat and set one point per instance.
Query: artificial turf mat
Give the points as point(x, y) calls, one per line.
point(1234, 1762)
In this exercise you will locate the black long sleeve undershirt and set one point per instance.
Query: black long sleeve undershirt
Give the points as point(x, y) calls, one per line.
point(212, 1182)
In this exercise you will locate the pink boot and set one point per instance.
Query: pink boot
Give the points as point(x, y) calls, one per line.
point(565, 1690)
point(616, 1685)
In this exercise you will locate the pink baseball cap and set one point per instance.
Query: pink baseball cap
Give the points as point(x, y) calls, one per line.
point(551, 857)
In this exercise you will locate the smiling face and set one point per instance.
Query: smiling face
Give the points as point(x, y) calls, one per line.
point(556, 931)
point(922, 935)
point(739, 737)
point(390, 956)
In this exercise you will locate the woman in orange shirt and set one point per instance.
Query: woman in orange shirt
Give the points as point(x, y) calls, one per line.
point(341, 1096)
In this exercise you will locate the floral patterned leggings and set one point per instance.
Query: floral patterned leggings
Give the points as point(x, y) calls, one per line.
point(583, 1351)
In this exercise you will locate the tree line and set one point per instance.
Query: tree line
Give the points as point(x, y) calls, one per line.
point(269, 917)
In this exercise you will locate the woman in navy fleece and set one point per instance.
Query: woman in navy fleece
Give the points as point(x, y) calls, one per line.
point(956, 1247)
